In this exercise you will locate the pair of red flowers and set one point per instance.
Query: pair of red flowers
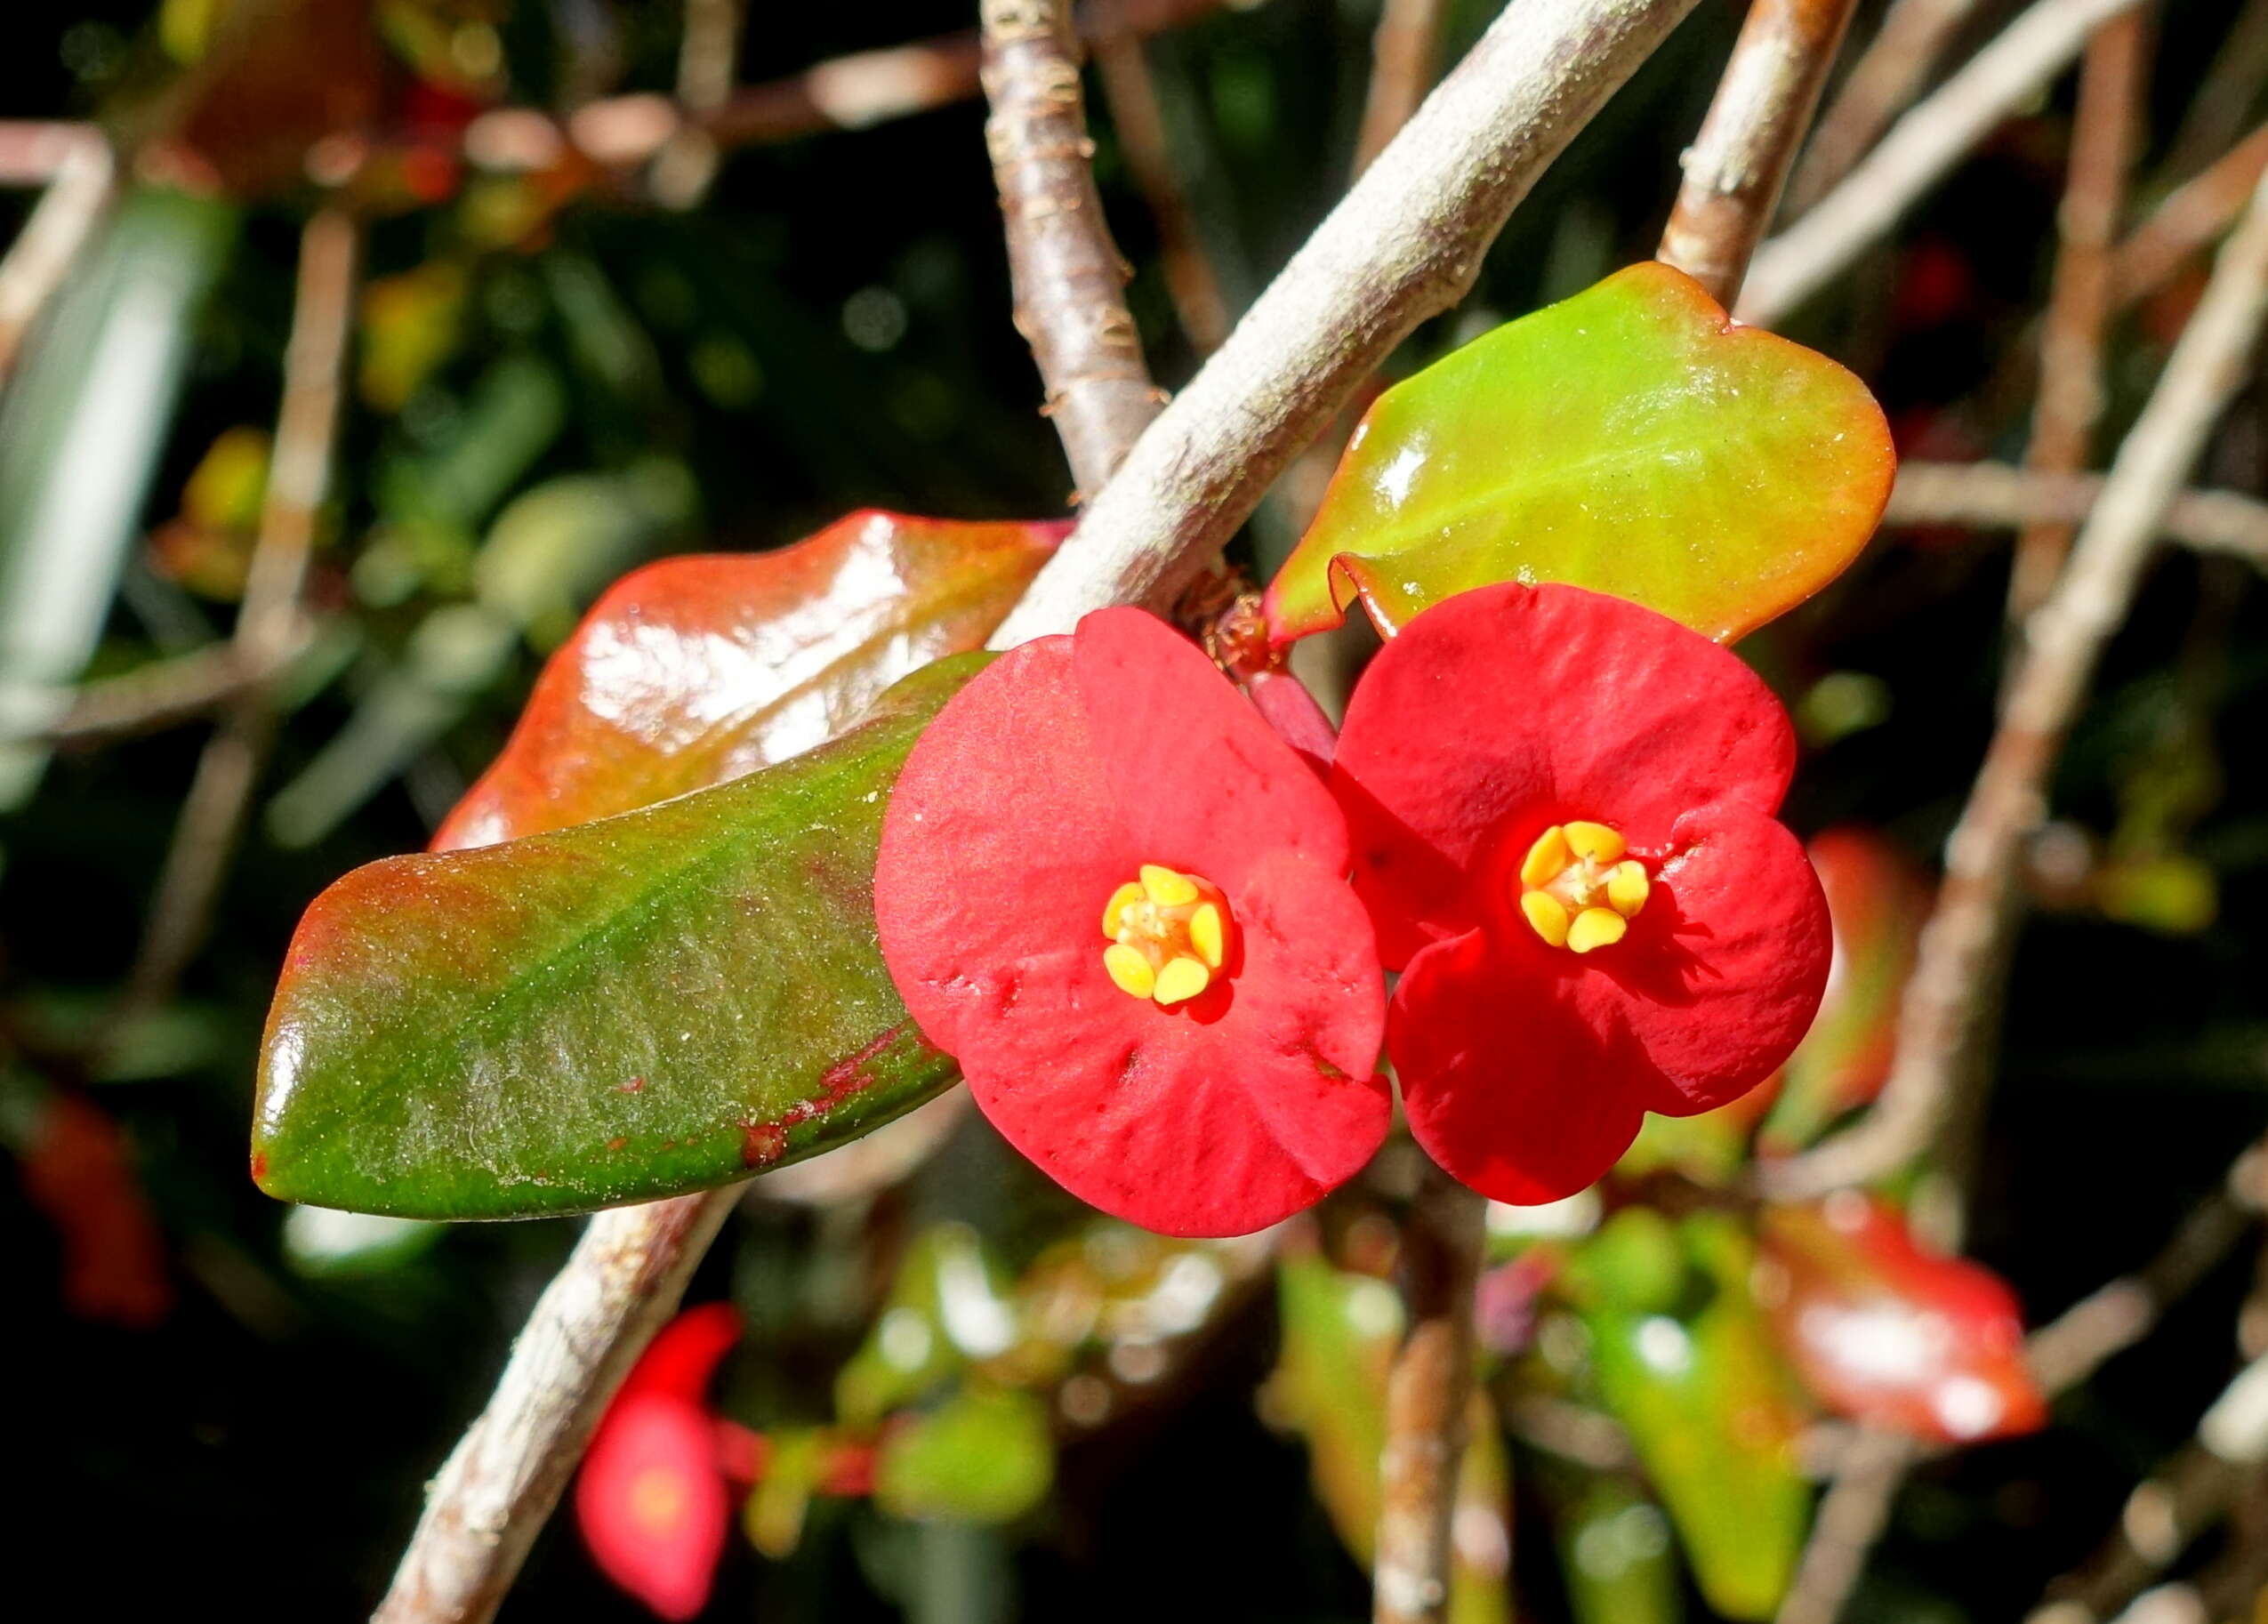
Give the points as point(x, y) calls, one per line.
point(1122, 902)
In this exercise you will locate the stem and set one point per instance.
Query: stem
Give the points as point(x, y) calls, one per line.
point(1068, 276)
point(1889, 73)
point(1737, 165)
point(1917, 153)
point(85, 181)
point(1428, 1398)
point(2079, 301)
point(1405, 243)
point(1994, 496)
point(1405, 54)
point(2189, 217)
point(1131, 91)
point(270, 620)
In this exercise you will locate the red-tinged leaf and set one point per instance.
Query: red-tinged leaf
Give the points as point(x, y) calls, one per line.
point(78, 1172)
point(1894, 1336)
point(1631, 440)
point(695, 671)
point(651, 1502)
point(1878, 900)
point(662, 1002)
point(1708, 1405)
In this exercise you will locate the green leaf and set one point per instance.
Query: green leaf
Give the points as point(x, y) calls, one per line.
point(657, 1002)
point(985, 1455)
point(1709, 1405)
point(1629, 440)
point(1614, 1550)
point(949, 1305)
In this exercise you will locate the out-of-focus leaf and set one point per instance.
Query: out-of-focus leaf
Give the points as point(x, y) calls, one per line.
point(696, 670)
point(1629, 440)
point(1894, 1336)
point(1634, 1263)
point(947, 1308)
point(1614, 1551)
point(1878, 901)
point(84, 425)
point(322, 1243)
point(1709, 1405)
point(1710, 1148)
point(984, 1456)
point(411, 323)
point(547, 551)
point(660, 1003)
point(795, 1461)
point(1340, 1332)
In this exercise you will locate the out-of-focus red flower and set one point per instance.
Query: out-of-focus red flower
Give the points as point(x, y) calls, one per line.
point(653, 1501)
point(78, 1172)
point(1893, 1336)
point(1561, 809)
point(1120, 900)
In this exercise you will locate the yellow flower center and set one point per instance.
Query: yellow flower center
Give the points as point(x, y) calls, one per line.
point(1168, 935)
point(1578, 890)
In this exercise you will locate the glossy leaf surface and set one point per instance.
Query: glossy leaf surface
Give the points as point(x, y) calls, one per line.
point(1629, 440)
point(660, 1002)
point(1708, 1403)
point(695, 671)
point(1894, 1336)
point(1614, 1552)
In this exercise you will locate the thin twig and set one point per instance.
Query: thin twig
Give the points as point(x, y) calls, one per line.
point(1429, 1397)
point(1191, 280)
point(84, 183)
point(846, 92)
point(34, 151)
point(2190, 218)
point(1735, 168)
point(1068, 276)
point(159, 695)
point(1994, 496)
point(1405, 55)
point(1851, 1517)
point(1531, 94)
point(1970, 925)
point(1405, 243)
point(2166, 1511)
point(490, 1499)
point(270, 619)
point(2113, 1317)
point(2103, 128)
point(708, 50)
point(1888, 75)
point(2224, 97)
point(1917, 153)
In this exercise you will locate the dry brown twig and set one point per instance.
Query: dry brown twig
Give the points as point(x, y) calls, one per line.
point(2103, 129)
point(1428, 1398)
point(1889, 73)
point(1917, 152)
point(1994, 496)
point(84, 181)
point(1737, 165)
point(1405, 54)
point(2188, 219)
point(269, 620)
point(161, 694)
point(1130, 90)
point(1067, 275)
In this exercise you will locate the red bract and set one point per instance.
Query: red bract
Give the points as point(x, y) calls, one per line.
point(1561, 806)
point(1112, 892)
point(653, 1502)
point(1894, 1336)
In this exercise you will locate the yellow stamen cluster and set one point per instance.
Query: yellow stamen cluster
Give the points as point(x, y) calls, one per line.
point(1169, 933)
point(1578, 890)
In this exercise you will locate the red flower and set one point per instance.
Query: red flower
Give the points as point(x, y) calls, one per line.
point(1561, 805)
point(1894, 1336)
point(653, 1501)
point(1119, 899)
